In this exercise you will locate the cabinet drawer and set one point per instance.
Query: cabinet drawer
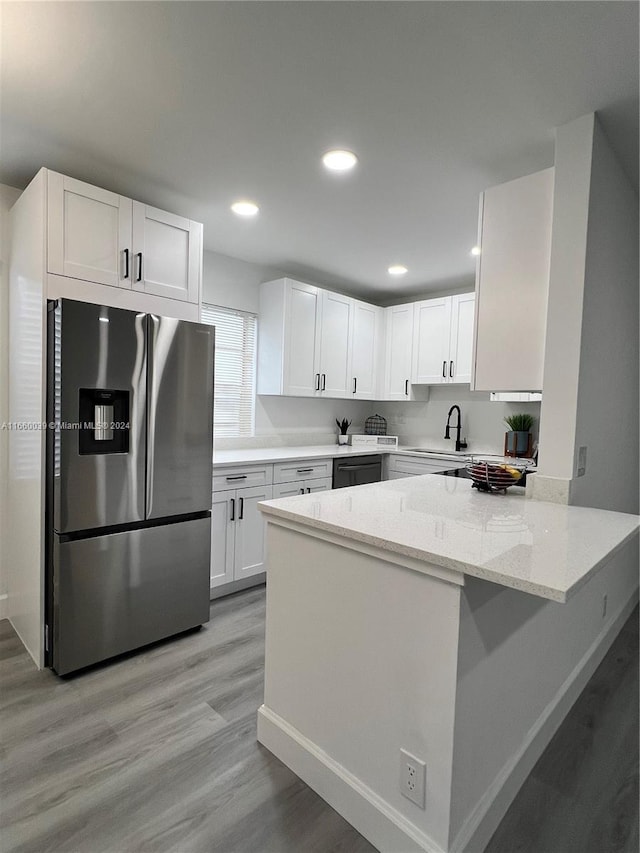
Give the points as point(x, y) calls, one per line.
point(409, 465)
point(242, 476)
point(301, 469)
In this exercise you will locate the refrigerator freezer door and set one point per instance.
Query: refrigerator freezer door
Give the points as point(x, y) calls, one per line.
point(179, 417)
point(99, 369)
point(118, 592)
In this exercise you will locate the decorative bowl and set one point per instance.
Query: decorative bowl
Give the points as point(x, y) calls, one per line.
point(493, 478)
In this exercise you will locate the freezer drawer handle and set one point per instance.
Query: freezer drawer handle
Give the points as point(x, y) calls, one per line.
point(239, 477)
point(233, 509)
point(304, 470)
point(126, 264)
point(241, 516)
point(139, 257)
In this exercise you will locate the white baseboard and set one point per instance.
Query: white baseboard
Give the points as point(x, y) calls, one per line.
point(484, 820)
point(385, 827)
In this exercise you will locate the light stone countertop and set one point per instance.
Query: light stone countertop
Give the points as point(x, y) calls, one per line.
point(251, 456)
point(545, 549)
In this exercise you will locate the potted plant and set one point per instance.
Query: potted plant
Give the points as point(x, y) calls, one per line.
point(343, 426)
point(517, 440)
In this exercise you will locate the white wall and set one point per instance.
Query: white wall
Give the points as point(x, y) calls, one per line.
point(482, 421)
point(8, 195)
point(607, 409)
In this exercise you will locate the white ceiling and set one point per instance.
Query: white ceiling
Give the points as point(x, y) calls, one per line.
point(189, 106)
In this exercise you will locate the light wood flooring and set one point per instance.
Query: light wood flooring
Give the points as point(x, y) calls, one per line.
point(157, 752)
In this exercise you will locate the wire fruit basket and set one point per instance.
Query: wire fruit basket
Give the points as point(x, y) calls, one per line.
point(493, 478)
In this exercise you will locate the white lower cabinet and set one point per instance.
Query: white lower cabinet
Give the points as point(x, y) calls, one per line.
point(301, 487)
point(237, 534)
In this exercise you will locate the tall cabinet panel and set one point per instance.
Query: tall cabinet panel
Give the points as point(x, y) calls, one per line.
point(365, 350)
point(89, 232)
point(512, 284)
point(431, 330)
point(335, 336)
point(301, 352)
point(461, 347)
point(399, 352)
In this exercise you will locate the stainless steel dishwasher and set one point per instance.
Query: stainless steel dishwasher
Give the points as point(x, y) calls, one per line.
point(356, 470)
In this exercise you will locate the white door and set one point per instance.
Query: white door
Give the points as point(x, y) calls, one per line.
point(222, 538)
point(399, 328)
point(286, 490)
point(461, 348)
point(365, 344)
point(250, 531)
point(301, 348)
point(89, 232)
point(323, 484)
point(335, 336)
point(431, 332)
point(166, 253)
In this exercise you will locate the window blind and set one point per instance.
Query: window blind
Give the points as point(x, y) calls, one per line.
point(235, 370)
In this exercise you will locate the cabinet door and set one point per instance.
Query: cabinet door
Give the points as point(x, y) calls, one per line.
point(167, 252)
point(301, 349)
point(88, 232)
point(399, 349)
point(222, 538)
point(512, 274)
point(250, 531)
point(461, 347)
point(335, 336)
point(365, 343)
point(322, 485)
point(431, 333)
point(286, 490)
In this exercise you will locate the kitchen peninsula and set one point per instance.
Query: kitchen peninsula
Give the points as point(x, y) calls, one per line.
point(421, 615)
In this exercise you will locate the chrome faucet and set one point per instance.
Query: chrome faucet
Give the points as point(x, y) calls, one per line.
point(460, 445)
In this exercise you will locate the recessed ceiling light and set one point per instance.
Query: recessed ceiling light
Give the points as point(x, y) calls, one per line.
point(476, 250)
point(245, 208)
point(339, 160)
point(397, 269)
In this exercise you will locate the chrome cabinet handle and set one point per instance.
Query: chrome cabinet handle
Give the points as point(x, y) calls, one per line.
point(317, 381)
point(444, 369)
point(241, 516)
point(233, 509)
point(450, 370)
point(324, 377)
point(139, 257)
point(126, 263)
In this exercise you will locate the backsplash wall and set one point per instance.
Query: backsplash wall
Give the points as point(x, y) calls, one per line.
point(423, 424)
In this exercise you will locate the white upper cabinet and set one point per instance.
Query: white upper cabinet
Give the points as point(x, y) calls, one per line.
point(100, 237)
point(89, 232)
point(304, 340)
point(167, 252)
point(336, 329)
point(365, 350)
point(512, 284)
point(443, 340)
point(399, 352)
point(431, 334)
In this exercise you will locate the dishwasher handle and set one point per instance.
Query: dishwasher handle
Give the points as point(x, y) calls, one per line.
point(357, 467)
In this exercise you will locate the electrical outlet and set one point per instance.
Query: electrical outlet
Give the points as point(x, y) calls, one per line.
point(413, 775)
point(582, 462)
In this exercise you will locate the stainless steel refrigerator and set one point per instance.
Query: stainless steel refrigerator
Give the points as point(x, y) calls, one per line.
point(128, 498)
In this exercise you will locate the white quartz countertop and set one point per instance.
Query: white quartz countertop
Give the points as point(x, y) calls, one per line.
point(545, 549)
point(256, 455)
